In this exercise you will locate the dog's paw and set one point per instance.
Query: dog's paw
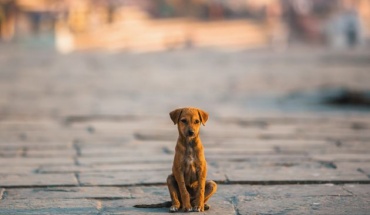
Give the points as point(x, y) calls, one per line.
point(195, 209)
point(186, 209)
point(198, 209)
point(173, 209)
point(206, 207)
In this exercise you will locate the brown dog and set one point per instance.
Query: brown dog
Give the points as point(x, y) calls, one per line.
point(187, 184)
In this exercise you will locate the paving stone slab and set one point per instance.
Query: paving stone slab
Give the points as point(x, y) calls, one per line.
point(119, 123)
point(361, 190)
point(62, 136)
point(235, 150)
point(214, 158)
point(38, 145)
point(29, 180)
point(128, 143)
point(4, 170)
point(23, 161)
point(352, 147)
point(294, 174)
point(121, 151)
point(106, 168)
point(48, 206)
point(286, 133)
point(39, 153)
point(133, 158)
point(157, 135)
point(39, 136)
point(124, 178)
point(363, 167)
point(352, 157)
point(273, 142)
point(36, 123)
point(13, 152)
point(345, 129)
point(301, 120)
point(360, 136)
point(293, 199)
point(261, 164)
point(98, 193)
point(330, 125)
point(240, 132)
point(273, 146)
point(280, 191)
point(312, 205)
point(95, 140)
point(285, 171)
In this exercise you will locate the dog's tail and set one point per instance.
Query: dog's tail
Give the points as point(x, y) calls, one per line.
point(159, 205)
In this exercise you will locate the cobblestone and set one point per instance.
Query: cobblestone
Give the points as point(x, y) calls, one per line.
point(89, 133)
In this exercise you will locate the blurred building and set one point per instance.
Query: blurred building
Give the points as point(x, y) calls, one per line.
point(166, 24)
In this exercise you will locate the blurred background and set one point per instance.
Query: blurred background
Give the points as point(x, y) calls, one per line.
point(147, 25)
point(86, 87)
point(63, 57)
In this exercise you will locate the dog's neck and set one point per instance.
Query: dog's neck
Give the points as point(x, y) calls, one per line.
point(186, 142)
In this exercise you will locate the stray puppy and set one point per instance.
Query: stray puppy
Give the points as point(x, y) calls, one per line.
point(187, 184)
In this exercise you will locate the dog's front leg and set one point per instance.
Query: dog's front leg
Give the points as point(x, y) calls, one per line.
point(199, 199)
point(185, 197)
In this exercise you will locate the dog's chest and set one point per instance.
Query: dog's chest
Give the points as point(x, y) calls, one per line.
point(190, 156)
point(190, 162)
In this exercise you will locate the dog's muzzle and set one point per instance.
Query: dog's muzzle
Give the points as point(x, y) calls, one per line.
point(190, 133)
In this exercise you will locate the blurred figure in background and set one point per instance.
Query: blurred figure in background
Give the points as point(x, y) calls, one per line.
point(7, 19)
point(345, 29)
point(279, 33)
point(303, 21)
point(352, 25)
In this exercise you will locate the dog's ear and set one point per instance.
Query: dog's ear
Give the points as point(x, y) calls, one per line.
point(203, 116)
point(175, 115)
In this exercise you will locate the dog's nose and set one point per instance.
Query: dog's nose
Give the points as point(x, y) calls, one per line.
point(190, 133)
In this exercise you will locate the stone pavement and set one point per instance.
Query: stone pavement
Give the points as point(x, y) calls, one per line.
point(86, 134)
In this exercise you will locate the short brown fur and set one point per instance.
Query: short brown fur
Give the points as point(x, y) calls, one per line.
point(187, 184)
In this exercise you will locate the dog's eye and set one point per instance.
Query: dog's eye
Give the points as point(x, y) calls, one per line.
point(184, 121)
point(196, 121)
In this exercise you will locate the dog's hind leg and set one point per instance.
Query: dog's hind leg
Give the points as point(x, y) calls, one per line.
point(174, 193)
point(210, 189)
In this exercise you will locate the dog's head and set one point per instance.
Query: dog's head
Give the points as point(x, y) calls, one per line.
point(188, 121)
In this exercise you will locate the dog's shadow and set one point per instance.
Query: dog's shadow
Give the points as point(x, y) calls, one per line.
point(163, 211)
point(152, 210)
